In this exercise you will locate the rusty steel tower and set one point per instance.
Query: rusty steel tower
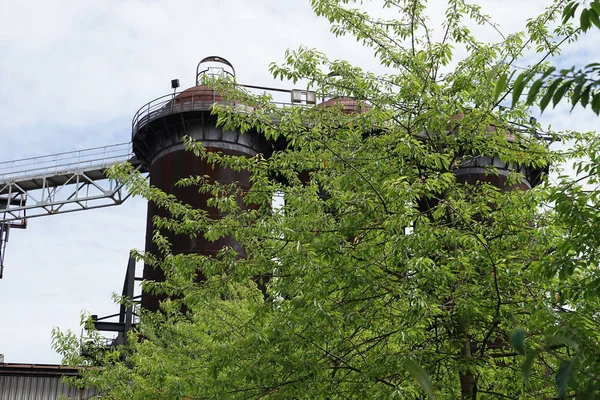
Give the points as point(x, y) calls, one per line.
point(75, 181)
point(157, 132)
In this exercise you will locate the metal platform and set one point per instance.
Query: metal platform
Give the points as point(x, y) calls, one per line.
point(58, 184)
point(61, 183)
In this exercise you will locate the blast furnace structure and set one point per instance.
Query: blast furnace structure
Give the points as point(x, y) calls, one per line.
point(157, 148)
point(157, 132)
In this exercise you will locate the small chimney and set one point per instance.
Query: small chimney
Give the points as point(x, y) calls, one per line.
point(1, 358)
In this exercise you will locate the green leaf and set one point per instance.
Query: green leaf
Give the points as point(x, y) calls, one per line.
point(519, 85)
point(482, 239)
point(553, 340)
point(589, 392)
point(569, 11)
point(420, 375)
point(562, 378)
point(517, 340)
point(547, 73)
point(585, 96)
point(500, 86)
point(549, 93)
point(595, 5)
point(493, 72)
point(560, 92)
point(527, 364)
point(566, 71)
point(533, 91)
point(584, 20)
point(596, 103)
point(594, 18)
point(577, 92)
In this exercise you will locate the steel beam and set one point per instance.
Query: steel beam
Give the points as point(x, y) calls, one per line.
point(62, 183)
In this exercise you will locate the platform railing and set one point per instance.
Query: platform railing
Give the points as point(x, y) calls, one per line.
point(67, 162)
point(168, 104)
point(61, 183)
point(202, 98)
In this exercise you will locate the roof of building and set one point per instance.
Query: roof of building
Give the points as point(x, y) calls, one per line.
point(37, 369)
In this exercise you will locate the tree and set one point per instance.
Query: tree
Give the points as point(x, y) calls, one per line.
point(389, 276)
point(580, 85)
point(573, 261)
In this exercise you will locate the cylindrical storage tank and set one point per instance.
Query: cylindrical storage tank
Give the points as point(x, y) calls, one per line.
point(490, 169)
point(157, 141)
point(349, 105)
point(477, 168)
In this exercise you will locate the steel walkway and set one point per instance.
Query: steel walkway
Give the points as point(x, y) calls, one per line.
point(61, 183)
point(57, 184)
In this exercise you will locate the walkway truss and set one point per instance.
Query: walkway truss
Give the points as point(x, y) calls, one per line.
point(59, 183)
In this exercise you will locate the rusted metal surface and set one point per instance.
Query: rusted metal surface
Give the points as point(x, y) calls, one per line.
point(491, 168)
point(509, 134)
point(494, 171)
point(472, 177)
point(197, 98)
point(196, 93)
point(158, 129)
point(349, 105)
point(165, 171)
point(158, 143)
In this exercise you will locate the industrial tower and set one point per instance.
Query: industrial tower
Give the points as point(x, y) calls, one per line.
point(157, 132)
point(74, 181)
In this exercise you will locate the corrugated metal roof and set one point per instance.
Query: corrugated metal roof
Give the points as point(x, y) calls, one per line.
point(14, 387)
point(37, 369)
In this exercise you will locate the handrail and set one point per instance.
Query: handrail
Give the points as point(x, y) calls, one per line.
point(194, 100)
point(96, 157)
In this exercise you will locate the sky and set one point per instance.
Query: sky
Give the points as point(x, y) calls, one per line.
point(72, 75)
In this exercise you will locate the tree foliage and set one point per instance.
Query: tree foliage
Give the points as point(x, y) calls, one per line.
point(389, 275)
point(579, 85)
point(575, 200)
